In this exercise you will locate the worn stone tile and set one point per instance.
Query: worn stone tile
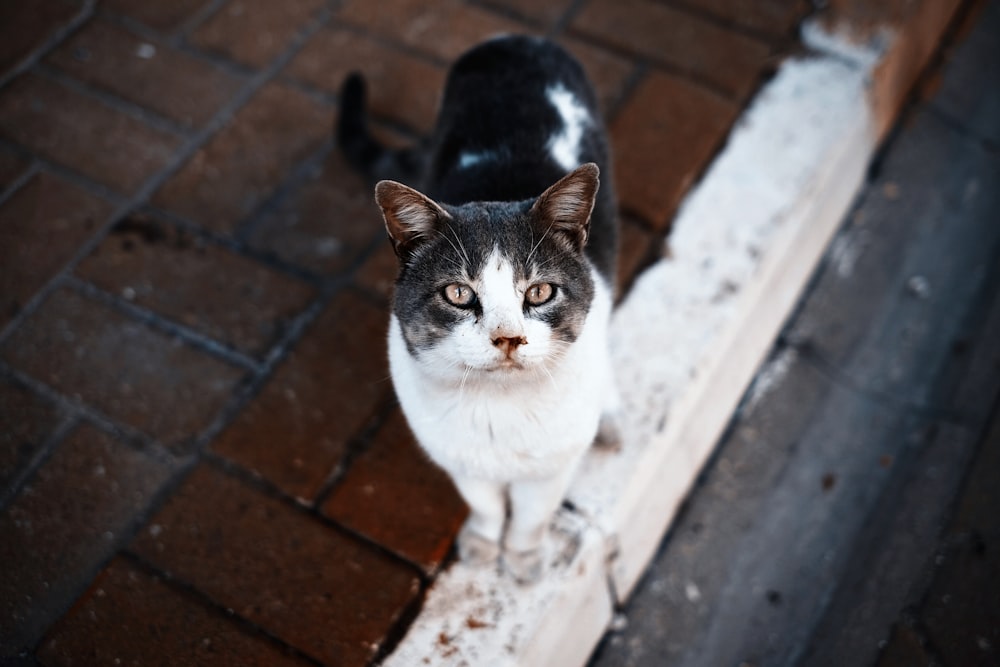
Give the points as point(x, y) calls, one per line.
point(378, 273)
point(667, 35)
point(26, 26)
point(400, 85)
point(150, 74)
point(325, 223)
point(11, 167)
point(132, 617)
point(83, 133)
point(541, 13)
point(608, 72)
point(165, 16)
point(26, 420)
point(309, 584)
point(296, 430)
point(393, 494)
point(230, 298)
point(446, 30)
point(254, 32)
point(961, 95)
point(664, 137)
point(776, 19)
point(942, 189)
point(242, 164)
point(65, 522)
point(125, 369)
point(41, 228)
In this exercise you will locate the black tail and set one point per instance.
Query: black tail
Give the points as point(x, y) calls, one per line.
point(363, 151)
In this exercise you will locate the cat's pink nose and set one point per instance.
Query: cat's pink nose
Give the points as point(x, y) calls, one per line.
point(507, 344)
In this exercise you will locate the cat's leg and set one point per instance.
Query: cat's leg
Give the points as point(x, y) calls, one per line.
point(479, 539)
point(533, 503)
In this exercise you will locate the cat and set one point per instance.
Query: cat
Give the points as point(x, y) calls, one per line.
point(507, 243)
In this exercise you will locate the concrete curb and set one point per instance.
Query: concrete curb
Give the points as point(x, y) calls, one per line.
point(688, 340)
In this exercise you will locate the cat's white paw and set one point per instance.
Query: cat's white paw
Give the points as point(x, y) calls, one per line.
point(526, 567)
point(476, 550)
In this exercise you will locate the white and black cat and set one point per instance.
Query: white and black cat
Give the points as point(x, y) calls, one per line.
point(498, 335)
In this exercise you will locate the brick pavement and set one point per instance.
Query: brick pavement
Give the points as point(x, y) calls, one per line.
point(200, 455)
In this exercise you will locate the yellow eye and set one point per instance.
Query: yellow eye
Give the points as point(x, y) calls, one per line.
point(539, 294)
point(459, 295)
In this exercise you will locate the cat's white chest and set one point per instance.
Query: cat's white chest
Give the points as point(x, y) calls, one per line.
point(505, 432)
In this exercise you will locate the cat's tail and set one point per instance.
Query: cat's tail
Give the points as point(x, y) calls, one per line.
point(363, 151)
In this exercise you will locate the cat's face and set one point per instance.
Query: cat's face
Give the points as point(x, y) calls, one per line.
point(497, 290)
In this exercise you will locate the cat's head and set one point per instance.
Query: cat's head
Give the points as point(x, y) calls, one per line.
point(492, 289)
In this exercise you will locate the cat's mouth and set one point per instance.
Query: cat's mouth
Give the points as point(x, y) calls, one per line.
point(505, 365)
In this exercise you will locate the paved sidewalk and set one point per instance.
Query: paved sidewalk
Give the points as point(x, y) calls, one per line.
point(201, 460)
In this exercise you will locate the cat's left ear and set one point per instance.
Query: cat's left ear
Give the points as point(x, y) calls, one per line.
point(565, 207)
point(409, 215)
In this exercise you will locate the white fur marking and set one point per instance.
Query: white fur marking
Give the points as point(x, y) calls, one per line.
point(468, 159)
point(564, 146)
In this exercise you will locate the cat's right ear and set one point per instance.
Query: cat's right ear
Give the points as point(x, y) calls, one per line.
point(409, 215)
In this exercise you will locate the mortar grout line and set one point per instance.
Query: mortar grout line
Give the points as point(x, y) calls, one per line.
point(22, 179)
point(691, 8)
point(268, 488)
point(668, 68)
point(163, 324)
point(197, 19)
point(50, 43)
point(185, 588)
point(80, 411)
point(181, 156)
point(239, 247)
point(141, 30)
point(68, 421)
point(134, 111)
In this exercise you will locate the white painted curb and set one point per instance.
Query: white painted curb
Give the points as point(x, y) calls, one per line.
point(687, 341)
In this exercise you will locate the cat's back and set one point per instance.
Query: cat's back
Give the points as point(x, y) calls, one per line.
point(518, 109)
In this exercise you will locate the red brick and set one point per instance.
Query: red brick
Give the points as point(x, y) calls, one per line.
point(83, 133)
point(636, 248)
point(125, 369)
point(400, 86)
point(254, 32)
point(542, 13)
point(296, 430)
point(397, 497)
point(11, 168)
point(445, 29)
point(148, 73)
point(730, 60)
point(66, 521)
point(41, 228)
point(26, 25)
point(223, 295)
point(774, 18)
point(160, 15)
point(131, 617)
point(229, 176)
point(378, 273)
point(663, 139)
point(608, 72)
point(26, 420)
point(323, 224)
point(317, 589)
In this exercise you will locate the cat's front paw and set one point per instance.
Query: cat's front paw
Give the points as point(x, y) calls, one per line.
point(476, 550)
point(525, 566)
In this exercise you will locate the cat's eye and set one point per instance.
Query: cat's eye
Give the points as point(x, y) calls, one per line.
point(539, 294)
point(459, 295)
